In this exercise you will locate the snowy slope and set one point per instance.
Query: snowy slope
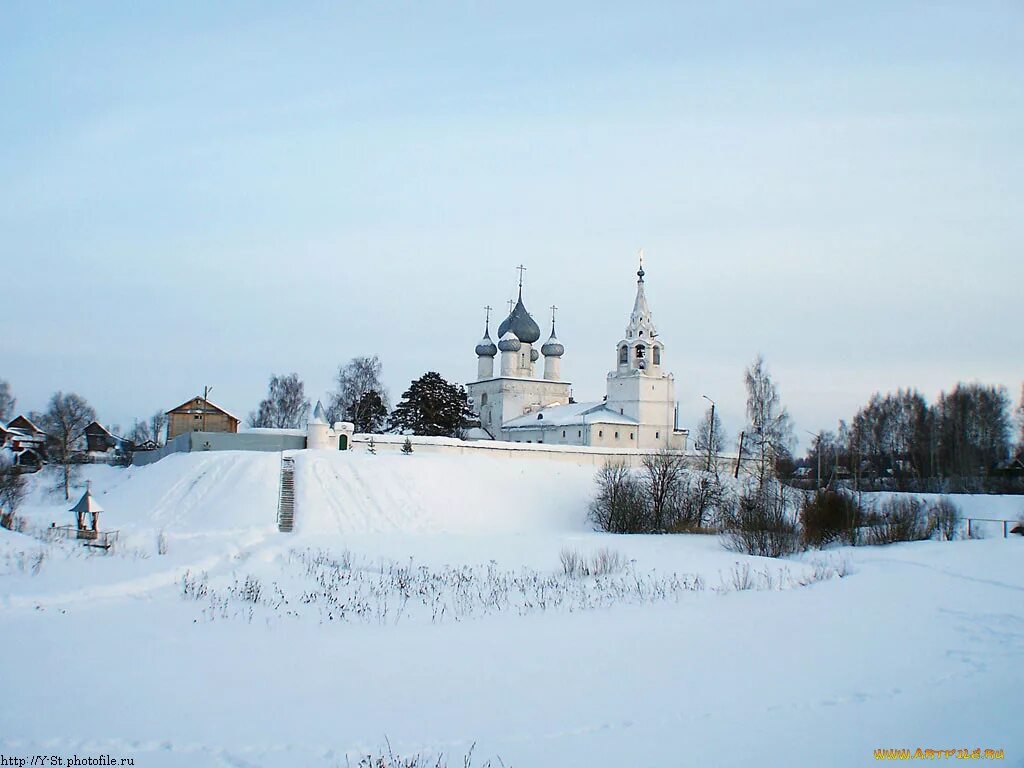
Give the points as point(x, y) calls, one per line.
point(919, 645)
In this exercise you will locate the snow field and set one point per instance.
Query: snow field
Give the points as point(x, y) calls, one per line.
point(916, 645)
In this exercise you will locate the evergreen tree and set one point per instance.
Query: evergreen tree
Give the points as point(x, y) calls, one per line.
point(407, 446)
point(432, 406)
point(348, 402)
point(371, 447)
point(368, 413)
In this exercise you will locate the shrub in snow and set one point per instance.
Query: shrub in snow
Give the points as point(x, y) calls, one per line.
point(901, 518)
point(830, 516)
point(391, 760)
point(161, 543)
point(604, 562)
point(761, 525)
point(407, 446)
point(12, 489)
point(621, 504)
point(571, 561)
point(703, 502)
point(944, 519)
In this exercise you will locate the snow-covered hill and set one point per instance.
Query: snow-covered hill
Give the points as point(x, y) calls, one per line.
point(420, 599)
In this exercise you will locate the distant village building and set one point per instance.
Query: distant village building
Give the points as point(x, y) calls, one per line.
point(98, 439)
point(199, 415)
point(638, 411)
point(25, 441)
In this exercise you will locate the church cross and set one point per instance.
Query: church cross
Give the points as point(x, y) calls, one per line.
point(521, 269)
point(553, 309)
point(487, 317)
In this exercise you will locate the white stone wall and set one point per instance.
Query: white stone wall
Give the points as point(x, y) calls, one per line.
point(588, 455)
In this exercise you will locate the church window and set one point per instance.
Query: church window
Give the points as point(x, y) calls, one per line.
point(657, 435)
point(622, 412)
point(600, 433)
point(616, 435)
point(641, 334)
point(640, 350)
point(623, 355)
point(563, 433)
point(630, 435)
point(579, 433)
point(657, 355)
point(483, 399)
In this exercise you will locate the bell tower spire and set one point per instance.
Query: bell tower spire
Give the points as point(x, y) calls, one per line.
point(641, 323)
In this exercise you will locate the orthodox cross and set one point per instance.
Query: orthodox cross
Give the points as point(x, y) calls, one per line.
point(553, 308)
point(487, 317)
point(521, 269)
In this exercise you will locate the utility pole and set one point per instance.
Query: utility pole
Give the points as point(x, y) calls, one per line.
point(206, 403)
point(711, 427)
point(739, 458)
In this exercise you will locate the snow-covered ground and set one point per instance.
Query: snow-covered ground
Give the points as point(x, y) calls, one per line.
point(421, 600)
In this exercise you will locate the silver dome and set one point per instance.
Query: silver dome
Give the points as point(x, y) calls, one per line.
point(509, 342)
point(486, 347)
point(521, 324)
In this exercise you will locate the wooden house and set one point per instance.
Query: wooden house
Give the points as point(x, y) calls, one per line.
point(26, 441)
point(99, 439)
point(199, 415)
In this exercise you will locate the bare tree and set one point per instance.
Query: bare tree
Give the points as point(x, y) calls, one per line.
point(710, 435)
point(620, 506)
point(140, 432)
point(64, 422)
point(7, 402)
point(355, 379)
point(285, 406)
point(157, 423)
point(662, 482)
point(12, 489)
point(769, 430)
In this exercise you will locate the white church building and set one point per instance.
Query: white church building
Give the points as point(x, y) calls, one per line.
point(639, 410)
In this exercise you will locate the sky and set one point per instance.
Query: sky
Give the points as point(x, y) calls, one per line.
point(206, 194)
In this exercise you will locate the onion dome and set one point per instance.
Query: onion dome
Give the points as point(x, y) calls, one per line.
point(534, 355)
point(509, 342)
point(553, 347)
point(486, 347)
point(520, 323)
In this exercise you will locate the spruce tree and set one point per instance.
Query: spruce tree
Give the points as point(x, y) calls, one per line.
point(432, 406)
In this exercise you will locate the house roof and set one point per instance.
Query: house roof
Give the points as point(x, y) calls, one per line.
point(95, 425)
point(190, 406)
point(23, 422)
point(568, 415)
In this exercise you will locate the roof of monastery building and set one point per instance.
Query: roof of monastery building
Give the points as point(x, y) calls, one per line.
point(572, 414)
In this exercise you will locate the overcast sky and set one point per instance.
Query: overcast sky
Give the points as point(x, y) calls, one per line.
point(209, 194)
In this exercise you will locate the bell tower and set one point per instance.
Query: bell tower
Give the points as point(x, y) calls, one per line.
point(638, 387)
